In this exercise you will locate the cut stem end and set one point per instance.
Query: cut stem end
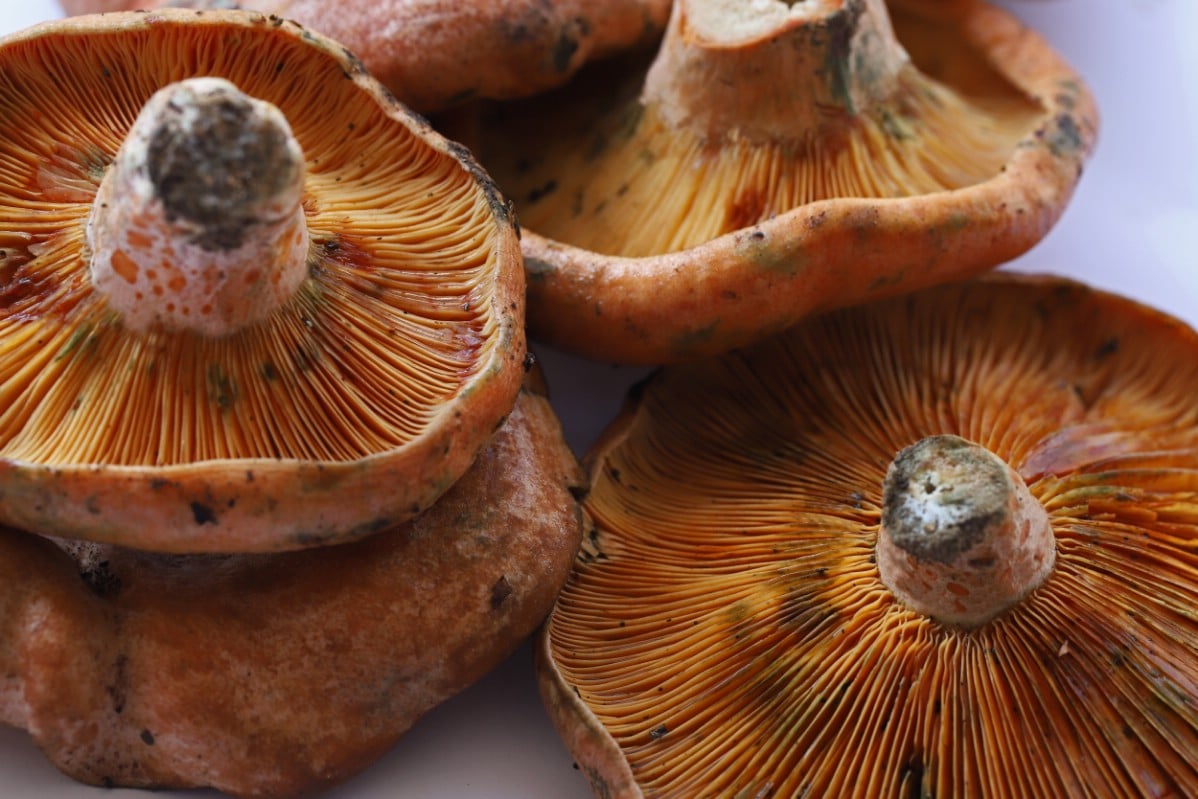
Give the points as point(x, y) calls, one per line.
point(199, 224)
point(962, 538)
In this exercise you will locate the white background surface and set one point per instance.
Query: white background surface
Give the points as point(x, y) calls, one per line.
point(1132, 228)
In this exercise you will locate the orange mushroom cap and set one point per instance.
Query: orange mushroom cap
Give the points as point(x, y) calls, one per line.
point(342, 398)
point(775, 159)
point(730, 629)
point(281, 674)
point(434, 54)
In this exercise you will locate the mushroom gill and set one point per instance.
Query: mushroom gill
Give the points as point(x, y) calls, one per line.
point(728, 630)
point(397, 338)
point(385, 329)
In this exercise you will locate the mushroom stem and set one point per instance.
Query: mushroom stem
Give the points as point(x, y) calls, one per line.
point(962, 538)
point(769, 70)
point(199, 225)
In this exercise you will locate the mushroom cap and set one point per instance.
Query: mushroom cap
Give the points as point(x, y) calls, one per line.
point(284, 673)
point(434, 54)
point(726, 632)
point(650, 239)
point(351, 408)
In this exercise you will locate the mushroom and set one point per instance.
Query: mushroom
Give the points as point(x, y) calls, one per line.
point(248, 302)
point(435, 55)
point(280, 674)
point(776, 159)
point(940, 545)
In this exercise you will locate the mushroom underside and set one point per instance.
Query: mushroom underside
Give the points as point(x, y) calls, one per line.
point(727, 631)
point(595, 167)
point(388, 364)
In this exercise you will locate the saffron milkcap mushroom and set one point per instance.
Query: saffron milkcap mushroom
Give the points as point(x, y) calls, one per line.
point(775, 159)
point(282, 674)
point(435, 55)
point(939, 545)
point(248, 301)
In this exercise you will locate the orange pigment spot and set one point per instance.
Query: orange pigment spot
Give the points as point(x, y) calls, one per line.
point(177, 283)
point(124, 266)
point(157, 290)
point(170, 307)
point(138, 241)
point(957, 589)
point(151, 274)
point(207, 309)
point(252, 276)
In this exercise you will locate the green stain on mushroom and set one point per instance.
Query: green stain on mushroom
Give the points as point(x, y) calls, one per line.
point(95, 162)
point(538, 269)
point(957, 221)
point(888, 281)
point(896, 126)
point(1065, 137)
point(737, 612)
point(221, 389)
point(630, 121)
point(691, 339)
point(77, 339)
point(757, 248)
point(837, 68)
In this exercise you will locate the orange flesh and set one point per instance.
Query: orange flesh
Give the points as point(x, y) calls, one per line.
point(388, 326)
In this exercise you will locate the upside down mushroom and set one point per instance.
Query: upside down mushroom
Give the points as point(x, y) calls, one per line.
point(281, 674)
point(776, 159)
point(434, 55)
point(248, 302)
point(940, 545)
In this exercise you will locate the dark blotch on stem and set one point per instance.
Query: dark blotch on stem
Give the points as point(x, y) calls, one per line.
point(948, 538)
point(217, 169)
